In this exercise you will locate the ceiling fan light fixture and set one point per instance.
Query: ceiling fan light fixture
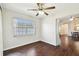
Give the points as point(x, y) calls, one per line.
point(41, 12)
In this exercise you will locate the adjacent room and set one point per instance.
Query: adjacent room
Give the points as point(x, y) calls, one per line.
point(39, 29)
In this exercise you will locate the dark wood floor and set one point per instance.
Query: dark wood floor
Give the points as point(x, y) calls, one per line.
point(43, 49)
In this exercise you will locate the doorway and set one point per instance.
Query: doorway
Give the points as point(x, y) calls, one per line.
point(64, 31)
point(63, 34)
point(69, 32)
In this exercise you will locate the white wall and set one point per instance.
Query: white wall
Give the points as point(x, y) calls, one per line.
point(49, 30)
point(9, 40)
point(1, 41)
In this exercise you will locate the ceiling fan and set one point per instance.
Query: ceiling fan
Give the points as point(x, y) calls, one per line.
point(42, 9)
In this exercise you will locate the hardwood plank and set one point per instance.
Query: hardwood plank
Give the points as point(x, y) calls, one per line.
point(44, 49)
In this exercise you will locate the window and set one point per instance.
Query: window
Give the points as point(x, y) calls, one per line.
point(23, 27)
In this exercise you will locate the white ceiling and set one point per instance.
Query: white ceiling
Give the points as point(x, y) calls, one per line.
point(60, 8)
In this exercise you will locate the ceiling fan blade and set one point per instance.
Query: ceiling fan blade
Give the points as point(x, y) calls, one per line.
point(32, 9)
point(50, 8)
point(37, 14)
point(38, 4)
point(46, 13)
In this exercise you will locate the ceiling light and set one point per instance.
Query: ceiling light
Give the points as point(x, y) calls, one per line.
point(71, 19)
point(41, 12)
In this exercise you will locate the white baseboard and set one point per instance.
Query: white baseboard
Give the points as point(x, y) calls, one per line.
point(20, 45)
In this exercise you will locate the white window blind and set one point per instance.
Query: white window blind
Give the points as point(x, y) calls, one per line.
point(23, 27)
